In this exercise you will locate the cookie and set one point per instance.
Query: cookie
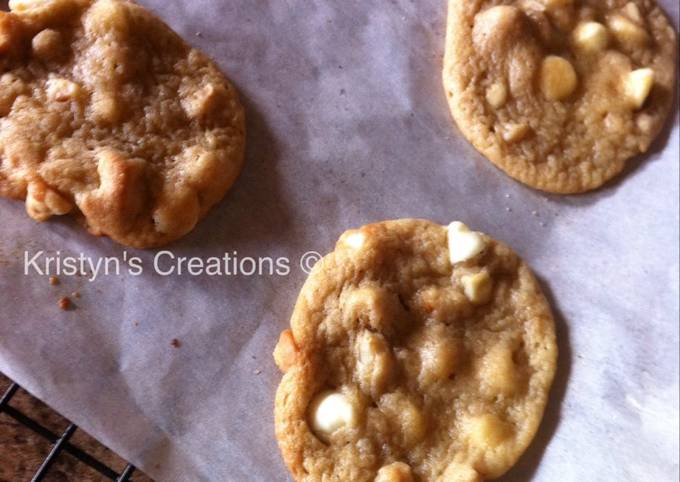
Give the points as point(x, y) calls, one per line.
point(108, 114)
point(416, 352)
point(559, 94)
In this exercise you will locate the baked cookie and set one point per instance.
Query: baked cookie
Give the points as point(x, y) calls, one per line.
point(105, 112)
point(559, 93)
point(416, 352)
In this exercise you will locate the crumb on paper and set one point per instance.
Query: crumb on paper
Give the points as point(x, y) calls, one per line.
point(65, 303)
point(135, 322)
point(176, 343)
point(258, 371)
point(76, 294)
point(54, 281)
point(534, 213)
point(199, 34)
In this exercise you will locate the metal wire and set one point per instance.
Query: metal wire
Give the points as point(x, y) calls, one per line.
point(60, 443)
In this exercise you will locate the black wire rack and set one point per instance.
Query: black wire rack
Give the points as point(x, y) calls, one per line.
point(60, 443)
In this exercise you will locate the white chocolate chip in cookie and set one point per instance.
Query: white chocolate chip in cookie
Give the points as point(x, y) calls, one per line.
point(200, 103)
point(487, 431)
point(331, 411)
point(637, 86)
point(590, 36)
point(459, 472)
point(48, 44)
point(632, 11)
point(477, 287)
point(405, 417)
point(440, 356)
point(558, 78)
point(498, 374)
point(354, 239)
point(62, 90)
point(497, 94)
point(374, 363)
point(627, 32)
point(514, 132)
point(463, 243)
point(395, 472)
point(554, 4)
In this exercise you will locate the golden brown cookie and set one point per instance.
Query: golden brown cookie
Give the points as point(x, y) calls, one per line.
point(559, 93)
point(106, 113)
point(417, 352)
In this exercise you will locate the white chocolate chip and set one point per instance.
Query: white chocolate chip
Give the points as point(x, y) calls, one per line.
point(644, 123)
point(632, 11)
point(354, 239)
point(637, 86)
point(590, 36)
point(463, 243)
point(331, 411)
point(458, 472)
point(626, 31)
point(394, 472)
point(477, 287)
point(496, 95)
point(374, 363)
point(515, 132)
point(487, 431)
point(558, 78)
point(62, 90)
point(554, 4)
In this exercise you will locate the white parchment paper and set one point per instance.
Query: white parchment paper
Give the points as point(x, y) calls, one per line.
point(348, 124)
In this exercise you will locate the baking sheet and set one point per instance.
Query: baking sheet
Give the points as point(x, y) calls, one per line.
point(348, 124)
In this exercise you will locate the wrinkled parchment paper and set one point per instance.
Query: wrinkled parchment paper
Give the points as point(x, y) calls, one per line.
point(348, 124)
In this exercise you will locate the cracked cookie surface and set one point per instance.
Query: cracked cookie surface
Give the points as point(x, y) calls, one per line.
point(559, 93)
point(108, 114)
point(416, 352)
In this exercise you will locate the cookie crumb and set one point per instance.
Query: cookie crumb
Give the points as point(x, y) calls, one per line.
point(175, 343)
point(257, 372)
point(199, 34)
point(65, 303)
point(508, 210)
point(534, 213)
point(54, 281)
point(76, 294)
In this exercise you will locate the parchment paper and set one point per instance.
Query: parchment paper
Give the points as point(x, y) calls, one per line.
point(348, 124)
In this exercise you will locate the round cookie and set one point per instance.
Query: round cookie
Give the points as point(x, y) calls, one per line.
point(106, 113)
point(416, 352)
point(559, 93)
